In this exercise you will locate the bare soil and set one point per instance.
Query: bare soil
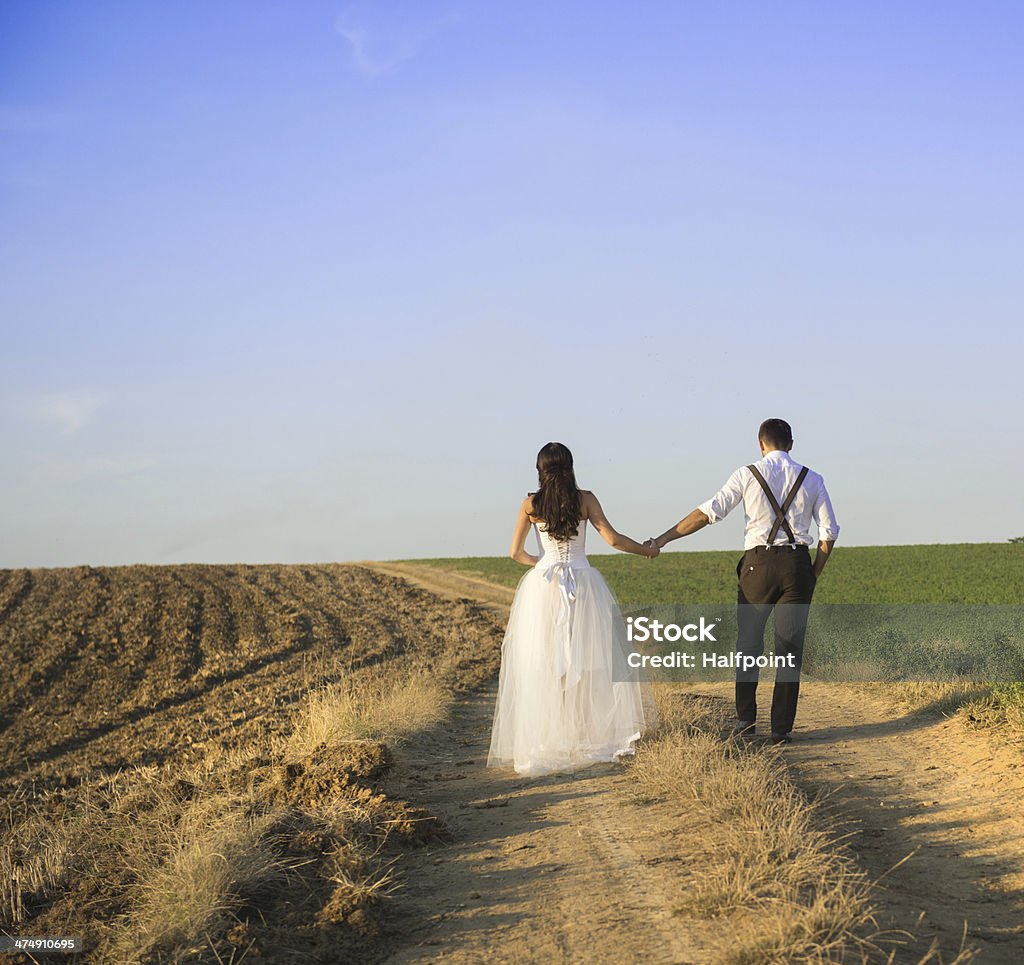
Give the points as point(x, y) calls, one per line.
point(103, 668)
point(107, 668)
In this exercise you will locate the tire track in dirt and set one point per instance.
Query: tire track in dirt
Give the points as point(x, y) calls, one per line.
point(558, 868)
point(545, 869)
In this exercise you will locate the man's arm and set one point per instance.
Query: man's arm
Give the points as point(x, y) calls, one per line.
point(689, 524)
point(828, 528)
point(821, 557)
point(721, 504)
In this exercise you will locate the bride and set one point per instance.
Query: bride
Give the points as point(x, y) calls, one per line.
point(559, 704)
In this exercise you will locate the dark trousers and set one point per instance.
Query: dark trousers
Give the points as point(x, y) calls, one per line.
point(771, 575)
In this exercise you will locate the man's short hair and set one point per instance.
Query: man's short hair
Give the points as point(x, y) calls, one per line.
point(776, 433)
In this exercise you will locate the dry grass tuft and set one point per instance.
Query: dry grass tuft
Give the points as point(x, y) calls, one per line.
point(928, 696)
point(779, 884)
point(217, 856)
point(36, 857)
point(1000, 709)
point(376, 707)
point(788, 889)
point(997, 708)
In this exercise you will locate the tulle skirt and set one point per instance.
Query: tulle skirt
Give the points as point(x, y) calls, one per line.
point(563, 700)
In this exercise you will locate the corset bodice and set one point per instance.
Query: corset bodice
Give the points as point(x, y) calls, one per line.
point(570, 552)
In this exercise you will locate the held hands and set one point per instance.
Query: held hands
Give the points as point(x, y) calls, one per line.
point(651, 548)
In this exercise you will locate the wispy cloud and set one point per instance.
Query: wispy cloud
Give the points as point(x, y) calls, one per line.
point(377, 49)
point(68, 411)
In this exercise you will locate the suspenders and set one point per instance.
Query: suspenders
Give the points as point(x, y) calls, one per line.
point(780, 511)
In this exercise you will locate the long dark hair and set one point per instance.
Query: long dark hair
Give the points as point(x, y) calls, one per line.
point(557, 501)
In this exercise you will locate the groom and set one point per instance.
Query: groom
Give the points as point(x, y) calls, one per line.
point(780, 499)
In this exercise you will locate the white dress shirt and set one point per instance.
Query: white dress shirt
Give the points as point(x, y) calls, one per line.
point(780, 472)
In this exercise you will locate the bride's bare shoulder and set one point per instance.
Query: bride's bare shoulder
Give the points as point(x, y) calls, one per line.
point(587, 500)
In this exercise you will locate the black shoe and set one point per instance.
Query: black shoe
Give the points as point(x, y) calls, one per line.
point(778, 738)
point(743, 728)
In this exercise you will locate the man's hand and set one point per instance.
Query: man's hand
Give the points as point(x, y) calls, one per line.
point(821, 557)
point(651, 548)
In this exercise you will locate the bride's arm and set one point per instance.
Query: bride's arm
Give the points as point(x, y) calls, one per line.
point(518, 551)
point(608, 532)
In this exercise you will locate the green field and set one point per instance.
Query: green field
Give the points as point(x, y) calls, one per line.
point(945, 573)
point(963, 573)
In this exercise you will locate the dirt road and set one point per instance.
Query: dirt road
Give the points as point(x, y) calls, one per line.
point(928, 788)
point(579, 869)
point(548, 870)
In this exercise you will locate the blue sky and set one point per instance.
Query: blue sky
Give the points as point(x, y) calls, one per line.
point(302, 282)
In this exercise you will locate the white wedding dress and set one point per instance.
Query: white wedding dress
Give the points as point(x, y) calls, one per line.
point(559, 706)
